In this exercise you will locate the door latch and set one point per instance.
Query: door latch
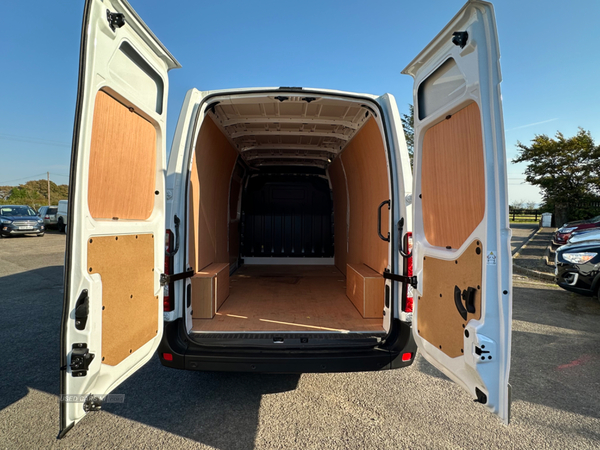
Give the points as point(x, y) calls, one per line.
point(115, 20)
point(168, 279)
point(92, 403)
point(460, 38)
point(401, 278)
point(81, 358)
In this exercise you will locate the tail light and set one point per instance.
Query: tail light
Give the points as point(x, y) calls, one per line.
point(168, 304)
point(46, 216)
point(408, 245)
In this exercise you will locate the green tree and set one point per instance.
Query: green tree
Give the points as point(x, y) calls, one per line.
point(33, 193)
point(565, 169)
point(408, 124)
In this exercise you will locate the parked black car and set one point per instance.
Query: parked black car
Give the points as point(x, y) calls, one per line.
point(578, 267)
point(20, 219)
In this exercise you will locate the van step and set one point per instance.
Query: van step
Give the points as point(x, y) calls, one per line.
point(288, 340)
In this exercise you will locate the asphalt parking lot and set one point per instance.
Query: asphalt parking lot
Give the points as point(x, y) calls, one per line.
point(555, 378)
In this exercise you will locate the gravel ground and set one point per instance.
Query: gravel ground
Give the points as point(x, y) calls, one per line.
point(555, 367)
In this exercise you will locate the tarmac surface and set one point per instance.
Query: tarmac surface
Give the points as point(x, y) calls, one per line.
point(521, 232)
point(554, 374)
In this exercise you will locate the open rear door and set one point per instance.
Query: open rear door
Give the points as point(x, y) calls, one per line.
point(112, 313)
point(463, 310)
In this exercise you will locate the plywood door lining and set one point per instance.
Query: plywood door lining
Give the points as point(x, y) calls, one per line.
point(122, 171)
point(438, 319)
point(453, 178)
point(125, 264)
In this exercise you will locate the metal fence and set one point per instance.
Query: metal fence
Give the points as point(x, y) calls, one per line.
point(524, 215)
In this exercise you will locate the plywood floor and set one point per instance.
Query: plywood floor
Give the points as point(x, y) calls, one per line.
point(287, 298)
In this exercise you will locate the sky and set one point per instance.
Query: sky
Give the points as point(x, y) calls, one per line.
point(549, 59)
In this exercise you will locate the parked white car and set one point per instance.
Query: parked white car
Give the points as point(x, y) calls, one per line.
point(62, 215)
point(48, 215)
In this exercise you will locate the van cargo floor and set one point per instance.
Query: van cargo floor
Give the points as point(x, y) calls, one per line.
point(287, 298)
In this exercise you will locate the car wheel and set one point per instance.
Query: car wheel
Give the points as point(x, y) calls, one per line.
point(61, 226)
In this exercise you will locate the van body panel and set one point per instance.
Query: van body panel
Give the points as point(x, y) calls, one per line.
point(401, 203)
point(344, 158)
point(112, 311)
point(462, 253)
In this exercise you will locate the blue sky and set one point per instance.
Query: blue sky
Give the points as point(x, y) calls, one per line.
point(549, 63)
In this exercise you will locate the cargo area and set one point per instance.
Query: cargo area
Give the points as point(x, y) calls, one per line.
point(287, 298)
point(282, 226)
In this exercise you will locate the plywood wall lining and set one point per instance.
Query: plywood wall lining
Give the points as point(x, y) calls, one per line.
point(122, 171)
point(438, 319)
point(365, 165)
point(453, 178)
point(340, 216)
point(129, 307)
point(212, 167)
point(235, 198)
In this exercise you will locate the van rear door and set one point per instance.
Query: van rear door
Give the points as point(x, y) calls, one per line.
point(462, 260)
point(112, 312)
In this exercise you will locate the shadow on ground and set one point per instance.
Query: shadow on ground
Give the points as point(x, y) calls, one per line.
point(217, 409)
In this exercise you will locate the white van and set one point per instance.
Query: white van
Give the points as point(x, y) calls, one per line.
point(62, 215)
point(286, 233)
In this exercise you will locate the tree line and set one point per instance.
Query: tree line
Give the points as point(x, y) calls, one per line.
point(33, 193)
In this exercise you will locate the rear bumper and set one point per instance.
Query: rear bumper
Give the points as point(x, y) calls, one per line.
point(190, 356)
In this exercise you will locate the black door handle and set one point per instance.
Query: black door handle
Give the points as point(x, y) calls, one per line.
point(172, 252)
point(383, 238)
point(82, 310)
point(468, 296)
point(401, 243)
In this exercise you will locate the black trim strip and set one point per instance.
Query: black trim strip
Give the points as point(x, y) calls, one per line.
point(64, 428)
point(168, 279)
point(401, 278)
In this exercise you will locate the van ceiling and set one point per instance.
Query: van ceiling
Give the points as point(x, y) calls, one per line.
point(283, 130)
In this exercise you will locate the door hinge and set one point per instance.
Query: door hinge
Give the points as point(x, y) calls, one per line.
point(92, 403)
point(81, 358)
point(115, 20)
point(401, 278)
point(168, 279)
point(460, 38)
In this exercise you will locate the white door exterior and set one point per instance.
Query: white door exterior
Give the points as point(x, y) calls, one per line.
point(112, 314)
point(462, 260)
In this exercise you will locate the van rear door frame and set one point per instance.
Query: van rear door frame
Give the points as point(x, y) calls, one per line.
point(384, 106)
